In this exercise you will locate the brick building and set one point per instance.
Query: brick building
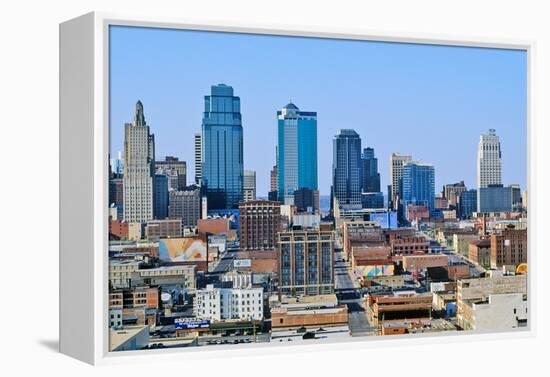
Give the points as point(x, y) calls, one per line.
point(260, 221)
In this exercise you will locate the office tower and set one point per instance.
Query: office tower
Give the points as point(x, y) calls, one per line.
point(489, 165)
point(160, 197)
point(175, 170)
point(297, 151)
point(346, 169)
point(273, 181)
point(372, 200)
point(304, 200)
point(198, 158)
point(139, 169)
point(452, 192)
point(222, 148)
point(397, 162)
point(185, 205)
point(468, 203)
point(249, 185)
point(418, 183)
point(116, 192)
point(371, 176)
point(117, 168)
point(516, 198)
point(306, 264)
point(495, 198)
point(260, 221)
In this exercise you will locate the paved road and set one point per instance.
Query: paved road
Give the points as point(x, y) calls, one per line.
point(348, 291)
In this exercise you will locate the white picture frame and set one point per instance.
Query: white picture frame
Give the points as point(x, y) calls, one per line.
point(84, 147)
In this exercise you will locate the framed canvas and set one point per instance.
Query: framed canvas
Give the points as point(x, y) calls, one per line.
point(228, 188)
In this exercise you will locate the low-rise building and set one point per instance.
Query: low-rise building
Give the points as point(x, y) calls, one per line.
point(184, 276)
point(128, 339)
point(169, 228)
point(398, 306)
point(220, 304)
point(481, 297)
point(479, 252)
point(509, 247)
point(410, 245)
point(424, 261)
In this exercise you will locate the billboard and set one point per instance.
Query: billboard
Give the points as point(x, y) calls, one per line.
point(242, 263)
point(191, 323)
point(374, 270)
point(188, 249)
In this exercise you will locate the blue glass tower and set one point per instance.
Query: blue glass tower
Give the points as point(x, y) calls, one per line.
point(347, 169)
point(297, 151)
point(468, 203)
point(418, 185)
point(160, 197)
point(222, 148)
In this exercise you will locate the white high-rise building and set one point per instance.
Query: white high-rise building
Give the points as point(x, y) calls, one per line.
point(218, 304)
point(397, 162)
point(198, 158)
point(249, 185)
point(489, 164)
point(139, 169)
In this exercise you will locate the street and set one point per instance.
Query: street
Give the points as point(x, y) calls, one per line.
point(349, 293)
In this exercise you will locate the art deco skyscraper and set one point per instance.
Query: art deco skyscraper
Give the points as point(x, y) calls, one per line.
point(397, 161)
point(489, 165)
point(296, 152)
point(222, 148)
point(139, 169)
point(347, 169)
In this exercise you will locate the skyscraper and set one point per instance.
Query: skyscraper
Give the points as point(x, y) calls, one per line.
point(175, 170)
point(418, 185)
point(371, 176)
point(160, 197)
point(198, 158)
point(346, 169)
point(397, 162)
point(273, 180)
point(297, 151)
point(489, 165)
point(249, 185)
point(139, 169)
point(452, 192)
point(222, 148)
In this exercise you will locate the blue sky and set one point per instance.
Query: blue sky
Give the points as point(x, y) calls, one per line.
point(429, 101)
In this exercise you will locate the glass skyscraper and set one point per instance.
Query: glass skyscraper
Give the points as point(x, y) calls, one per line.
point(346, 169)
point(297, 151)
point(468, 203)
point(222, 148)
point(418, 185)
point(371, 176)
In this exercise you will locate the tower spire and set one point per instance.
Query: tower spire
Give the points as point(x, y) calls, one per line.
point(139, 118)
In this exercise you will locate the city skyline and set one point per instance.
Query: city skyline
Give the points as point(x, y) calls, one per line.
point(455, 103)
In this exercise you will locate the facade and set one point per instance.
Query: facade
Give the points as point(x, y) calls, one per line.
point(173, 167)
point(139, 169)
point(371, 176)
point(509, 247)
point(184, 276)
point(479, 252)
point(397, 161)
point(517, 205)
point(409, 245)
point(495, 198)
point(484, 291)
point(453, 191)
point(156, 229)
point(222, 304)
point(306, 262)
point(468, 203)
point(304, 200)
point(198, 158)
point(260, 222)
point(347, 169)
point(185, 205)
point(489, 164)
point(398, 306)
point(222, 148)
point(160, 197)
point(249, 185)
point(419, 185)
point(372, 200)
point(296, 151)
